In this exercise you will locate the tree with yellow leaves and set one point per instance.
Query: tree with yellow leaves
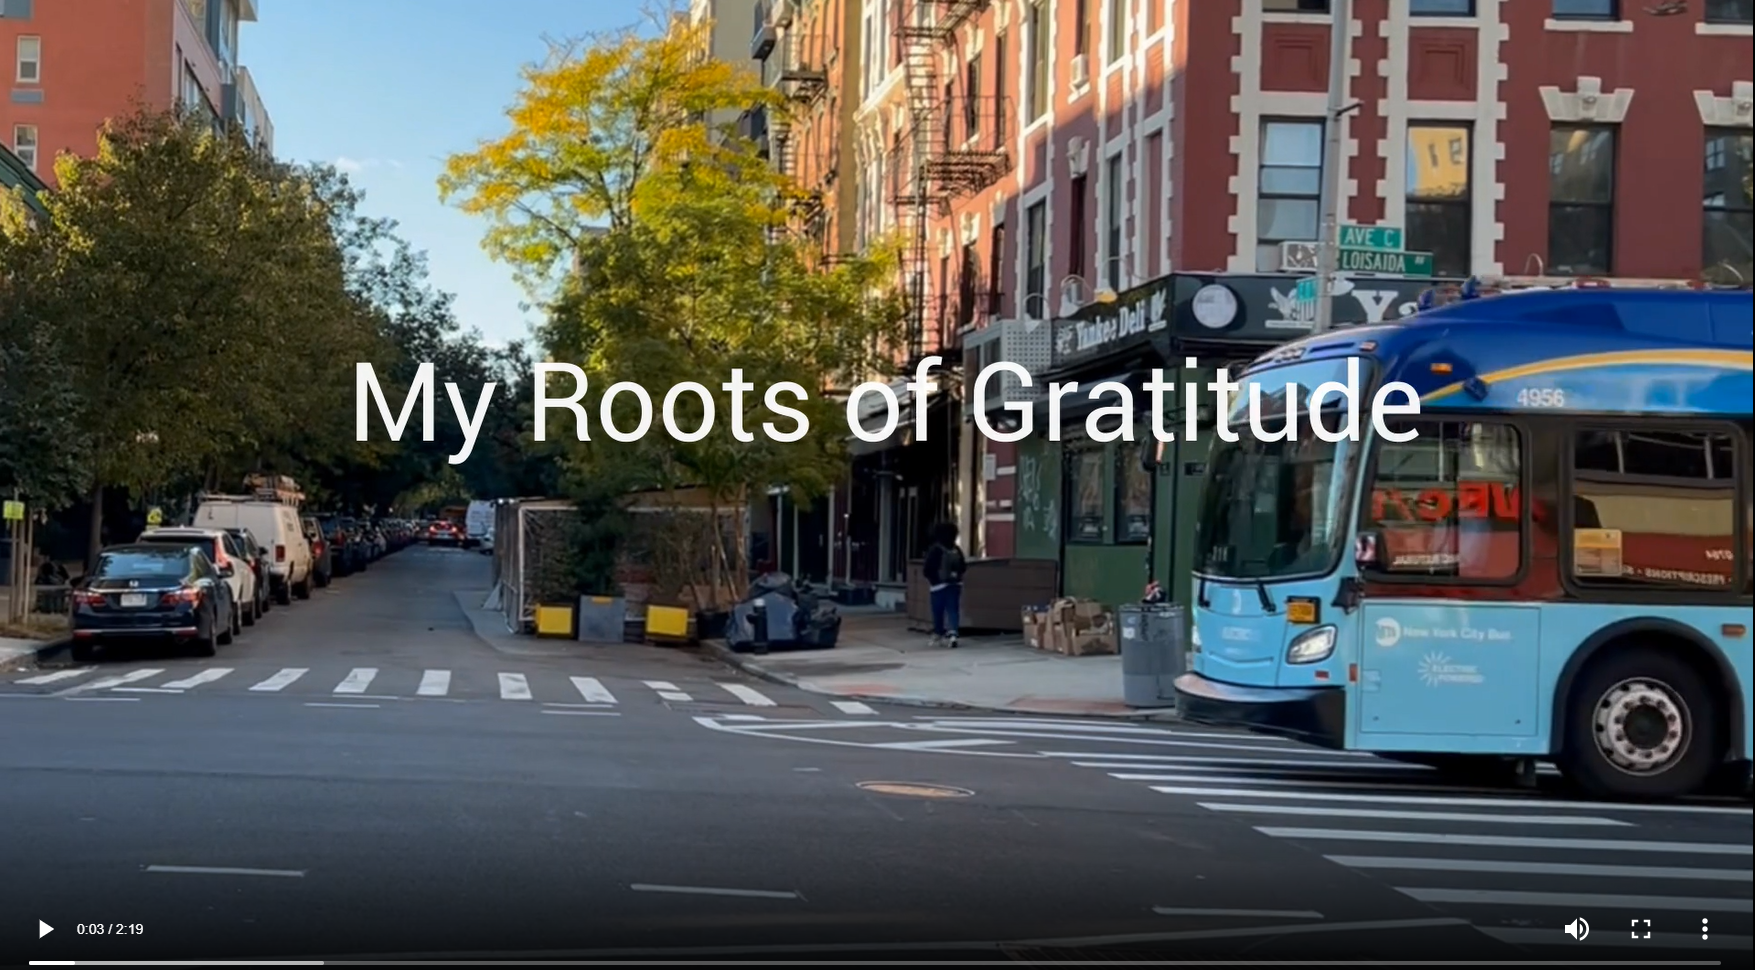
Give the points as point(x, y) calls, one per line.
point(657, 240)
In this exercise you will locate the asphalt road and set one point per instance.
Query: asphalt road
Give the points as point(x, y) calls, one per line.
point(370, 774)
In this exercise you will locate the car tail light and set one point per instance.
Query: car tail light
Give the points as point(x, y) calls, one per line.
point(280, 554)
point(88, 598)
point(178, 597)
point(317, 548)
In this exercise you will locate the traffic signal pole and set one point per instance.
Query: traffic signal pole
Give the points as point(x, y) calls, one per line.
point(1328, 250)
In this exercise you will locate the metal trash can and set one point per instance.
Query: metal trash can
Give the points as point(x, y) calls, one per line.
point(1152, 653)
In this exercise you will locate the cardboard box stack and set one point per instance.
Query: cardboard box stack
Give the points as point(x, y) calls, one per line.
point(1072, 627)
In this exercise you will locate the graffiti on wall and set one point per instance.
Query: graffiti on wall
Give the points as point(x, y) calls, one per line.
point(1038, 506)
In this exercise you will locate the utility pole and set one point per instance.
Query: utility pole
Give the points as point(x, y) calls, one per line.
point(1328, 249)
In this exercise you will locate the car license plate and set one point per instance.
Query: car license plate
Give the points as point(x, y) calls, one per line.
point(133, 599)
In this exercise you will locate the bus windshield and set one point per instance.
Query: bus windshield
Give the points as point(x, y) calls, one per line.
point(1277, 509)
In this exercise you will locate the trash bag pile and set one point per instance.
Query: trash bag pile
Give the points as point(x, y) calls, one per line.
point(797, 616)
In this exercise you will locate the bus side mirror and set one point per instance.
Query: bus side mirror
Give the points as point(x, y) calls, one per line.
point(1367, 550)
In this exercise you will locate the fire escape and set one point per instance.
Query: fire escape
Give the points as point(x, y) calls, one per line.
point(939, 167)
point(805, 83)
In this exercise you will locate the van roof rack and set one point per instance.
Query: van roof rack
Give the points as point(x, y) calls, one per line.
point(277, 496)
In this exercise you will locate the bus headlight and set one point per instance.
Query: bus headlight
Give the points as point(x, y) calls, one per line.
point(1311, 647)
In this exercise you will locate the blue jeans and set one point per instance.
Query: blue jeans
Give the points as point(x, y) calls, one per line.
point(947, 607)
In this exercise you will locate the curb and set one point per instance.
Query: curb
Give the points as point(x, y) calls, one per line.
point(742, 662)
point(45, 652)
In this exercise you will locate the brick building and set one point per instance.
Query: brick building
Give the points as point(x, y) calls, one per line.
point(77, 65)
point(1092, 188)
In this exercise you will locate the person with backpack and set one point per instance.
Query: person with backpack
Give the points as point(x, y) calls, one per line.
point(943, 570)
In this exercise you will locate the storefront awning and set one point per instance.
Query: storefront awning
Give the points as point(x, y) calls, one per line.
point(872, 417)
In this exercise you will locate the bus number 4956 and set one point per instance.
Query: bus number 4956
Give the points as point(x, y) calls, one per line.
point(1541, 397)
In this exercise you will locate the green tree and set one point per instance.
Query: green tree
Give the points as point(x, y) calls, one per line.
point(657, 244)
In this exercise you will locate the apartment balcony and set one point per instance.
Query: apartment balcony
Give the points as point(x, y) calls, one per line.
point(968, 152)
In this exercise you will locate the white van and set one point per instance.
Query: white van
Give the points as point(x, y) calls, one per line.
point(478, 524)
point(276, 526)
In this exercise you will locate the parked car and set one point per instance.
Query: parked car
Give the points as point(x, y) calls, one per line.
point(322, 556)
point(153, 592)
point(261, 569)
point(222, 549)
point(276, 524)
point(444, 532)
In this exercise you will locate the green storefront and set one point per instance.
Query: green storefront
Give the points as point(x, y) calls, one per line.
point(1094, 506)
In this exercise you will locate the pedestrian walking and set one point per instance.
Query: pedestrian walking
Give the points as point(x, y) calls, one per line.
point(943, 569)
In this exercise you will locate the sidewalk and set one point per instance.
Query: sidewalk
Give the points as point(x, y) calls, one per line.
point(16, 650)
point(879, 659)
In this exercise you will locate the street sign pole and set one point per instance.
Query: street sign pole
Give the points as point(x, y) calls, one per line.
point(1328, 253)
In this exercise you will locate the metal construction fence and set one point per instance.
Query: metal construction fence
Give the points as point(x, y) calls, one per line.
point(533, 561)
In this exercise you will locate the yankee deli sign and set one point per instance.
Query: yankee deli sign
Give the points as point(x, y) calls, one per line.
point(1111, 326)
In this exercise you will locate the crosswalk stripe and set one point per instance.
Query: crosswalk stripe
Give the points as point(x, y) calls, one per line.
point(435, 683)
point(593, 690)
point(280, 680)
point(1589, 902)
point(1513, 867)
point(358, 679)
point(854, 707)
point(204, 677)
point(59, 675)
point(1507, 841)
point(1371, 797)
point(749, 695)
point(1350, 812)
point(514, 687)
point(117, 681)
point(667, 690)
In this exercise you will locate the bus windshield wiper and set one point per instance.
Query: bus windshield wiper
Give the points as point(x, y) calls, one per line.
point(1267, 602)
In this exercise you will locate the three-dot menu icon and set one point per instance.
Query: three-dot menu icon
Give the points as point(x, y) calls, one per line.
point(1703, 930)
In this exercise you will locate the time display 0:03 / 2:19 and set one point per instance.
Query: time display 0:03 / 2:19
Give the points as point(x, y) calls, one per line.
point(110, 929)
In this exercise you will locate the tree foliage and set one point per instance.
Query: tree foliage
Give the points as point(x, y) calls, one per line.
point(656, 239)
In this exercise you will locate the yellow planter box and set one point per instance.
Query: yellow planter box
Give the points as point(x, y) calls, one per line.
point(668, 622)
point(554, 621)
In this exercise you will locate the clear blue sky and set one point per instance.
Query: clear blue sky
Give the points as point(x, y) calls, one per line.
point(388, 88)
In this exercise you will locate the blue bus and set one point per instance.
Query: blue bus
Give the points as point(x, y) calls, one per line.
point(1549, 562)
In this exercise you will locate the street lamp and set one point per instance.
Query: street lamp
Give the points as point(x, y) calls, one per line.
point(1328, 252)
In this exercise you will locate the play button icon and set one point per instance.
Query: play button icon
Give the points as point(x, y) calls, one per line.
point(43, 929)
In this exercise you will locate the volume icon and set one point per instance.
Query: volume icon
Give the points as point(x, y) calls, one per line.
point(1578, 929)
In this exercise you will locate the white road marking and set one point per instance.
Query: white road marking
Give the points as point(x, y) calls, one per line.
point(146, 690)
point(744, 718)
point(1364, 797)
point(1340, 811)
point(1510, 867)
point(1528, 936)
point(134, 699)
point(1279, 765)
point(58, 675)
point(660, 684)
point(434, 683)
point(675, 695)
point(358, 679)
point(280, 680)
point(1508, 841)
point(205, 677)
point(514, 687)
point(321, 704)
point(116, 681)
point(1162, 741)
point(939, 745)
point(1097, 729)
point(853, 707)
point(642, 887)
point(593, 690)
point(1263, 913)
point(1587, 902)
point(1367, 793)
point(585, 713)
point(749, 695)
point(228, 871)
point(762, 731)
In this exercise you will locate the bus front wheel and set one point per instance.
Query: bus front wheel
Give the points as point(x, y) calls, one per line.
point(1640, 724)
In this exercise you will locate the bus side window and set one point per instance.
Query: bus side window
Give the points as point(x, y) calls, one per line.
point(1664, 504)
point(1449, 503)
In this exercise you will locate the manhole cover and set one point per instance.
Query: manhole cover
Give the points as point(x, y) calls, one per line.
point(913, 790)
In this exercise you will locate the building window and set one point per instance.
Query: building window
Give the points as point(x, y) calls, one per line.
point(950, 136)
point(1730, 11)
point(1438, 208)
point(1001, 96)
point(1295, 6)
point(24, 145)
point(868, 72)
point(1039, 60)
point(1081, 28)
point(968, 285)
point(1118, 29)
point(30, 60)
point(1654, 509)
point(1441, 8)
point(1133, 497)
point(1035, 304)
point(995, 268)
point(1085, 478)
point(1728, 204)
point(1154, 16)
point(1448, 503)
point(1075, 230)
point(972, 97)
point(1581, 200)
point(1113, 193)
point(1587, 9)
point(1289, 194)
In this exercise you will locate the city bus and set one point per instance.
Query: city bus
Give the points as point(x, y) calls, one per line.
point(1551, 564)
